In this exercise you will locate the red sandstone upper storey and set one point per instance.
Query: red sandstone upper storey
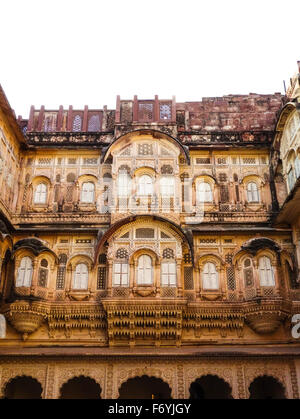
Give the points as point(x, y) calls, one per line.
point(238, 113)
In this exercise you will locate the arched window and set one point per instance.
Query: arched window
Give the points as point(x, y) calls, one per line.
point(24, 277)
point(40, 195)
point(144, 270)
point(145, 185)
point(88, 192)
point(210, 277)
point(252, 192)
point(124, 184)
point(266, 274)
point(77, 123)
point(43, 273)
point(81, 276)
point(167, 186)
point(203, 192)
point(120, 275)
point(168, 274)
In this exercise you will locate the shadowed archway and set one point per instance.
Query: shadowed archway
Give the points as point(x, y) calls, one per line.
point(145, 387)
point(23, 387)
point(210, 387)
point(266, 387)
point(80, 388)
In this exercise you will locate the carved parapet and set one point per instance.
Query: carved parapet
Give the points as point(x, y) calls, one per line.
point(266, 316)
point(25, 317)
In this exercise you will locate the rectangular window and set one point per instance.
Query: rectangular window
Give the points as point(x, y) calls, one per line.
point(168, 274)
point(250, 161)
point(203, 160)
point(120, 274)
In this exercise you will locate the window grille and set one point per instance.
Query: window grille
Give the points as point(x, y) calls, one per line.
point(166, 169)
point(188, 278)
point(122, 253)
point(94, 123)
point(222, 160)
point(145, 112)
point(249, 161)
point(145, 149)
point(144, 233)
point(230, 278)
point(77, 123)
point(101, 278)
point(203, 160)
point(168, 253)
point(43, 276)
point(165, 111)
point(90, 160)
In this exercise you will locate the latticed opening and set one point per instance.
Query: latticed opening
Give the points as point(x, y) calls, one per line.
point(43, 276)
point(145, 111)
point(124, 168)
point(168, 253)
point(145, 149)
point(94, 123)
point(222, 160)
point(71, 177)
point(224, 193)
point(168, 292)
point(166, 169)
point(101, 278)
point(249, 160)
point(60, 279)
point(203, 160)
point(188, 278)
point(222, 177)
point(228, 256)
point(187, 258)
point(62, 259)
point(77, 123)
point(230, 278)
point(165, 111)
point(69, 194)
point(144, 233)
point(122, 253)
point(126, 112)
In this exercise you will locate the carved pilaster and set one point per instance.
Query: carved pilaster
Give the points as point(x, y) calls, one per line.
point(294, 382)
point(241, 384)
point(180, 382)
point(49, 392)
point(108, 391)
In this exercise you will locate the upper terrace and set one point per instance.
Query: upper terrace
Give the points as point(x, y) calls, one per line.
point(232, 113)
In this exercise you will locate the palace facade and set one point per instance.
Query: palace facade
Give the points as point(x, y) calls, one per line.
point(151, 250)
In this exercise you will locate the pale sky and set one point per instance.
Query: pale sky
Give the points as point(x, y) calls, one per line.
point(75, 52)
